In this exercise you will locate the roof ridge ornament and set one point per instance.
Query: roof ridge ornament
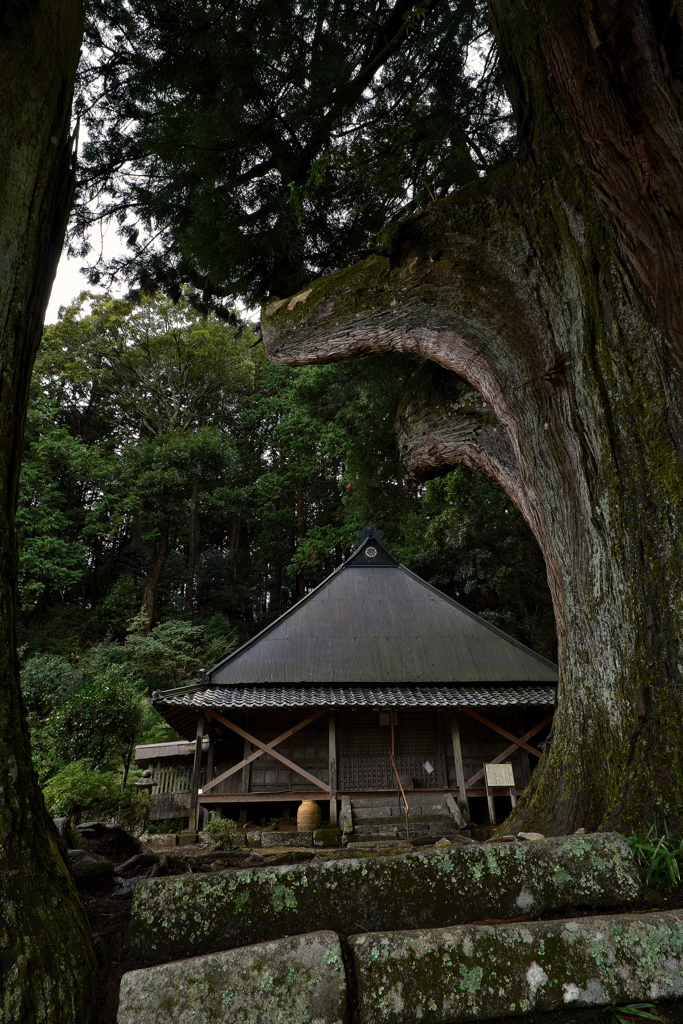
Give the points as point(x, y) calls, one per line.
point(369, 532)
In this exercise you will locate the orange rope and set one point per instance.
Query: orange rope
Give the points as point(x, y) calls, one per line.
point(398, 779)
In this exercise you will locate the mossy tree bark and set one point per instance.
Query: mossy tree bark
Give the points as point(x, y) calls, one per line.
point(553, 290)
point(46, 958)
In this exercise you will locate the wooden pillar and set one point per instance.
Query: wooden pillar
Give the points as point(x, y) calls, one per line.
point(522, 754)
point(441, 764)
point(489, 799)
point(209, 768)
point(246, 771)
point(209, 758)
point(196, 775)
point(459, 768)
point(332, 755)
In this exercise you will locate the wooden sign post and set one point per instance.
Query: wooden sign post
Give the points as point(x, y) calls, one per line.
point(498, 775)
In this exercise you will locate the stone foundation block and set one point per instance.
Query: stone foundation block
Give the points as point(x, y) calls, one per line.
point(327, 837)
point(292, 981)
point(286, 839)
point(429, 888)
point(188, 838)
point(483, 972)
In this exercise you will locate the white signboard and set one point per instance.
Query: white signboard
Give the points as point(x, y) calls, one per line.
point(499, 775)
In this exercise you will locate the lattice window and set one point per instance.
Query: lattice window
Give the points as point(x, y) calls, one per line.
point(363, 752)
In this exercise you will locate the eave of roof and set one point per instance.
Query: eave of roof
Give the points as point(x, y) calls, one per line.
point(356, 696)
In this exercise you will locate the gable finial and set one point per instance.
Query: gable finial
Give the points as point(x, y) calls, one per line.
point(369, 531)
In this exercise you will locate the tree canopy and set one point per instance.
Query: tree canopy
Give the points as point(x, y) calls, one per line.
point(244, 147)
point(169, 466)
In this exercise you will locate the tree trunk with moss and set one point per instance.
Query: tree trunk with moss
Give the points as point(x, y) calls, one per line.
point(46, 956)
point(550, 296)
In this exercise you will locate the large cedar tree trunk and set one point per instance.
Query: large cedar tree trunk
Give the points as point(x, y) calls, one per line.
point(47, 964)
point(550, 294)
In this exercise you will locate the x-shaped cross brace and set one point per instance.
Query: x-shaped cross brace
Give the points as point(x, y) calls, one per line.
point(265, 748)
point(521, 742)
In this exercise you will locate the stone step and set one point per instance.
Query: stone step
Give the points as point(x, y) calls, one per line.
point(445, 825)
point(397, 819)
point(414, 831)
point(370, 837)
point(391, 809)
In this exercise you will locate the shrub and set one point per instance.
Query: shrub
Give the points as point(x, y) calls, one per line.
point(47, 682)
point(82, 794)
point(98, 722)
point(222, 833)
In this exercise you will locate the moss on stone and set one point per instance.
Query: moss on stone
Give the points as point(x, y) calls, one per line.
point(194, 914)
point(480, 972)
point(299, 980)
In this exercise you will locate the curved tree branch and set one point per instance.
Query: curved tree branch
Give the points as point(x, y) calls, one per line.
point(443, 420)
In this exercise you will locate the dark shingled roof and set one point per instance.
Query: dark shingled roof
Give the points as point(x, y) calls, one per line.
point(375, 622)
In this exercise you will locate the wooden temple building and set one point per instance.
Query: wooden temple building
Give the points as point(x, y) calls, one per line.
point(373, 685)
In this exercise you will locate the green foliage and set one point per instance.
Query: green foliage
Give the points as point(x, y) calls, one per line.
point(479, 550)
point(50, 557)
point(155, 730)
point(98, 723)
point(128, 445)
point(117, 608)
point(172, 652)
point(265, 143)
point(627, 1014)
point(47, 682)
point(222, 832)
point(661, 856)
point(79, 792)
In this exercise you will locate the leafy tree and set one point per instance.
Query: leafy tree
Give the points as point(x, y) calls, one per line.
point(52, 554)
point(244, 147)
point(132, 402)
point(172, 652)
point(98, 723)
point(47, 682)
